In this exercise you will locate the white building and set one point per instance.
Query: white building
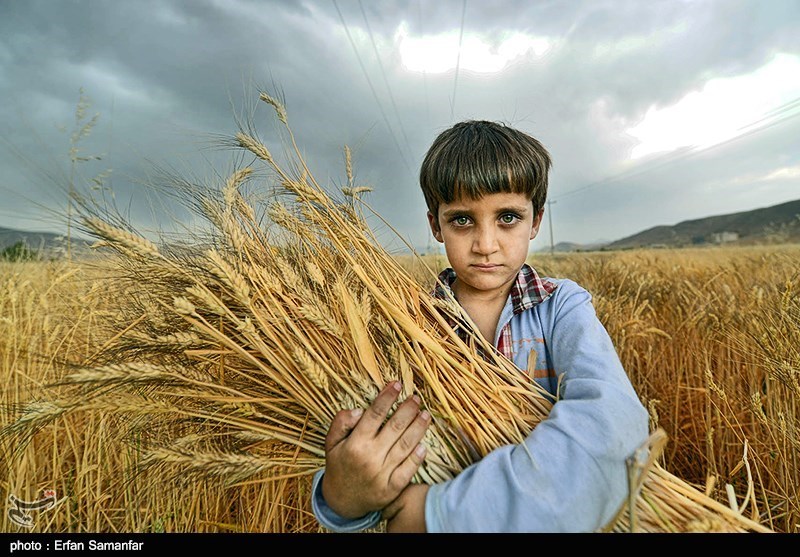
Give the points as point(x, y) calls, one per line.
point(724, 237)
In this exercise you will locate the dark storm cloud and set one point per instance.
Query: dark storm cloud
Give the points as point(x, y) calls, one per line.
point(168, 78)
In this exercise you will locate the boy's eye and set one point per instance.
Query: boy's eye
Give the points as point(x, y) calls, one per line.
point(461, 221)
point(508, 218)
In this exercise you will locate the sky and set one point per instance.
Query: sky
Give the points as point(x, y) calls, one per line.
point(653, 112)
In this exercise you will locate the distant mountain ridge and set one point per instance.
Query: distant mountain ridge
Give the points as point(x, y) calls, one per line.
point(43, 243)
point(775, 224)
point(768, 224)
point(34, 240)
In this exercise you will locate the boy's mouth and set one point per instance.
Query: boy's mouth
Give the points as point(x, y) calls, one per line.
point(486, 266)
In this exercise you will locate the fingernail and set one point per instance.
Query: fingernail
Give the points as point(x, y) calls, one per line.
point(420, 450)
point(397, 386)
point(416, 399)
point(356, 412)
point(425, 415)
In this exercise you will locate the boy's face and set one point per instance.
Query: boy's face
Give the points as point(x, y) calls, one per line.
point(486, 239)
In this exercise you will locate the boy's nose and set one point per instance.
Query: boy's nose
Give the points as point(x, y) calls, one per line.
point(485, 241)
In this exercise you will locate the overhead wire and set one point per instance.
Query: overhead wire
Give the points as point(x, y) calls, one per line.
point(458, 61)
point(424, 73)
point(686, 152)
point(385, 81)
point(372, 88)
point(785, 107)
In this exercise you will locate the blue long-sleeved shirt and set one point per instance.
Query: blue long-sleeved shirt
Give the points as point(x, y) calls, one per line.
point(569, 475)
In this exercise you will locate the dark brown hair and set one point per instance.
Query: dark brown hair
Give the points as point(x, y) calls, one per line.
point(477, 157)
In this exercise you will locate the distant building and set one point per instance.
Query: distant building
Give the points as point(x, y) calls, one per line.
point(724, 237)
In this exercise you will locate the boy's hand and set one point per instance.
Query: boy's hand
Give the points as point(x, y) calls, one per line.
point(367, 463)
point(406, 514)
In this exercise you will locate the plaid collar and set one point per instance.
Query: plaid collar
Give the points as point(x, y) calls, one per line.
point(528, 290)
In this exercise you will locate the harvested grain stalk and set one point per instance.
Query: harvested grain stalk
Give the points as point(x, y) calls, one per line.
point(252, 340)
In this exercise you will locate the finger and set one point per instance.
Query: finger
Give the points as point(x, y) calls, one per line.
point(341, 426)
point(409, 440)
point(374, 416)
point(396, 426)
point(404, 473)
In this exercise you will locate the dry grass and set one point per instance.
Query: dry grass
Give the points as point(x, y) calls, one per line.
point(219, 364)
point(711, 340)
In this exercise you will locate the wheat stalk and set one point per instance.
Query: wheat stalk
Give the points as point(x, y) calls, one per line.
point(282, 335)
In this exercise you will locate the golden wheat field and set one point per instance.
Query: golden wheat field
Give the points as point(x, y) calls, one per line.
point(710, 338)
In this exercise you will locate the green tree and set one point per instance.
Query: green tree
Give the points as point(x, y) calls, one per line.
point(18, 252)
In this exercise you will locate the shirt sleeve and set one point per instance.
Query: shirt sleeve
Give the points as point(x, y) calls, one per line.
point(569, 474)
point(328, 518)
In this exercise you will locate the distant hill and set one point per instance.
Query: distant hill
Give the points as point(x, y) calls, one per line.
point(41, 242)
point(778, 223)
point(563, 247)
point(34, 240)
point(775, 224)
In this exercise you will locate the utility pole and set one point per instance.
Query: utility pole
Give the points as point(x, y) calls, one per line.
point(550, 220)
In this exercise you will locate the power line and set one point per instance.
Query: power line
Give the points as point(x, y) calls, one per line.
point(369, 82)
point(786, 107)
point(550, 221)
point(680, 154)
point(424, 73)
point(385, 81)
point(458, 61)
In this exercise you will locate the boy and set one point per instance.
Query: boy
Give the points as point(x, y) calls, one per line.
point(485, 186)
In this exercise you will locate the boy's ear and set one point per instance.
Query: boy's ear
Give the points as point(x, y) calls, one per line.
point(434, 224)
point(537, 222)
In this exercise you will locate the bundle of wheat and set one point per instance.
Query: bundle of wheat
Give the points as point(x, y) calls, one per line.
point(237, 352)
